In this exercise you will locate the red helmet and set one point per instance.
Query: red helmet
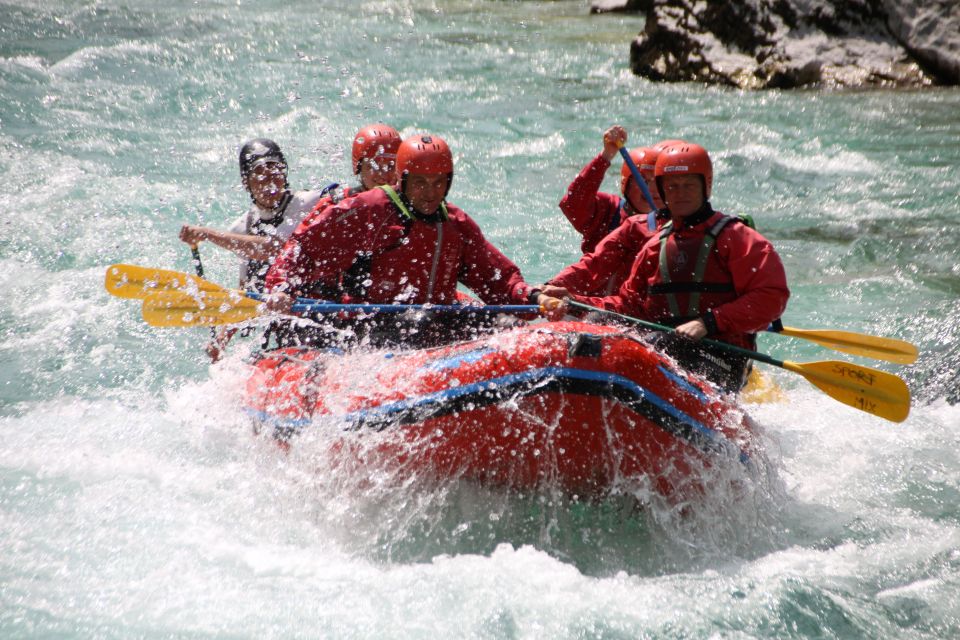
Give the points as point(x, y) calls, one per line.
point(645, 158)
point(683, 159)
point(663, 144)
point(374, 141)
point(424, 154)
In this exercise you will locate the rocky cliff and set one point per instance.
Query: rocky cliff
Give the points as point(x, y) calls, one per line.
point(796, 43)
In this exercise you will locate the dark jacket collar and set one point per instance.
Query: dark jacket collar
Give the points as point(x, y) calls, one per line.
point(700, 216)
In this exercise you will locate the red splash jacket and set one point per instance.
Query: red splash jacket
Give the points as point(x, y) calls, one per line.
point(385, 255)
point(742, 290)
point(592, 214)
point(602, 272)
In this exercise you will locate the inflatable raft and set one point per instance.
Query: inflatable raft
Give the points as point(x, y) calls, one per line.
point(586, 408)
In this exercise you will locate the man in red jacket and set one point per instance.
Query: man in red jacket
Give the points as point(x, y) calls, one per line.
point(705, 273)
point(595, 214)
point(399, 245)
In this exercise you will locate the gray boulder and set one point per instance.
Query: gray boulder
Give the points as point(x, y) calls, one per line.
point(793, 43)
point(930, 31)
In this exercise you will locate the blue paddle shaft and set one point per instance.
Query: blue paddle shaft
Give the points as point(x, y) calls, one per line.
point(311, 305)
point(639, 178)
point(329, 307)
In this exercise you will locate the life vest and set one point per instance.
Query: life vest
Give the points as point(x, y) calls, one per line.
point(356, 280)
point(257, 269)
point(674, 277)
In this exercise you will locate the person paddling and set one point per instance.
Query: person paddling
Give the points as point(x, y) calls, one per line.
point(595, 214)
point(258, 234)
point(402, 243)
point(705, 273)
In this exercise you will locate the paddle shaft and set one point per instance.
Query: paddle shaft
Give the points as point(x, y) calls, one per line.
point(639, 178)
point(197, 263)
point(198, 267)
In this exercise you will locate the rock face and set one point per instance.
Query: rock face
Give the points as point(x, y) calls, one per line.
point(794, 43)
point(930, 31)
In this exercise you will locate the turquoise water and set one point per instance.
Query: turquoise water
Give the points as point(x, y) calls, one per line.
point(133, 502)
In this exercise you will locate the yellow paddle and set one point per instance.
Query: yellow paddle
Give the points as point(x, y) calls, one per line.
point(858, 344)
point(876, 392)
point(131, 281)
point(203, 308)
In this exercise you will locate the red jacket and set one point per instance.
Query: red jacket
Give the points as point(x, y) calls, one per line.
point(602, 272)
point(400, 260)
point(741, 258)
point(592, 214)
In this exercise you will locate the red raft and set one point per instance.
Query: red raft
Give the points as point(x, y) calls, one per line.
point(586, 408)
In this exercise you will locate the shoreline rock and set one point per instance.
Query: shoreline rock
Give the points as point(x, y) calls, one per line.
point(764, 44)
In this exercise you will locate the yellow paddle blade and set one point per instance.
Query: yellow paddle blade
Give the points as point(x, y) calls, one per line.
point(761, 389)
point(203, 309)
point(876, 392)
point(131, 281)
point(889, 349)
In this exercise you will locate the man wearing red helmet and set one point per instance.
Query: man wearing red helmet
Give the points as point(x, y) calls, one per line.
point(399, 244)
point(595, 214)
point(705, 273)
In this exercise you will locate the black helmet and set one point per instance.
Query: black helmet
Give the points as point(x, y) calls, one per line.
point(259, 150)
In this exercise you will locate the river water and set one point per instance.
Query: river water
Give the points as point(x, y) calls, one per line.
point(135, 503)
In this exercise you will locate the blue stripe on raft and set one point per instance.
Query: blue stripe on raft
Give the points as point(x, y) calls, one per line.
point(684, 384)
point(384, 412)
point(641, 393)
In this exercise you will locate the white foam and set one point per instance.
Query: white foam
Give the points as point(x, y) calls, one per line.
point(530, 147)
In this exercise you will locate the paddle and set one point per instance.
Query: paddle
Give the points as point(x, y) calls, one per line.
point(132, 281)
point(211, 308)
point(870, 390)
point(877, 347)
